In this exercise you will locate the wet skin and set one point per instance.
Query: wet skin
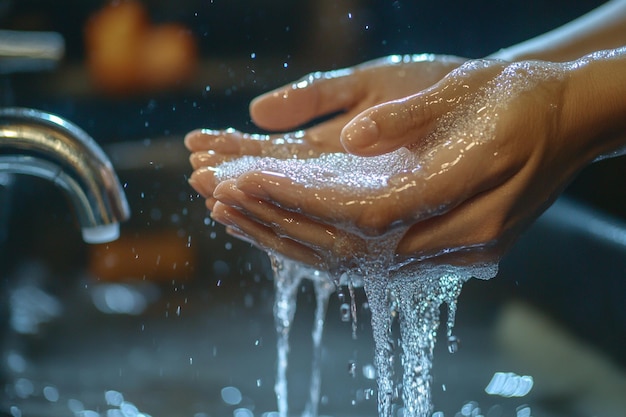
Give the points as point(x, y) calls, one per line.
point(498, 142)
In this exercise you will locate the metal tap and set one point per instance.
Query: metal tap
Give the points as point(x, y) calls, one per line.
point(44, 145)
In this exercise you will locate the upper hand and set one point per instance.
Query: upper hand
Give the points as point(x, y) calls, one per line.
point(347, 92)
point(495, 148)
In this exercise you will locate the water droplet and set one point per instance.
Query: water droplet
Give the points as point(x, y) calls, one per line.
point(128, 409)
point(243, 412)
point(51, 393)
point(231, 395)
point(453, 344)
point(523, 411)
point(75, 406)
point(344, 312)
point(369, 371)
point(16, 362)
point(24, 388)
point(352, 369)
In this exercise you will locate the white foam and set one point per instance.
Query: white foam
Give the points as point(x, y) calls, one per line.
point(333, 170)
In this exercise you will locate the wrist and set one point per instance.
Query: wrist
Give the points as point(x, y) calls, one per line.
point(595, 104)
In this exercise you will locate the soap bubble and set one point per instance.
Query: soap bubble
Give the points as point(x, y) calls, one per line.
point(51, 393)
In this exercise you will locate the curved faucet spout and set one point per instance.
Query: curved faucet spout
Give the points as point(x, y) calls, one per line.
point(36, 143)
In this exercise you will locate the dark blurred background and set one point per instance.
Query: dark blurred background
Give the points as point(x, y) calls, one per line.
point(245, 47)
point(241, 49)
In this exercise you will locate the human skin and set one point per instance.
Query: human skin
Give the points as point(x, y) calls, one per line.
point(467, 204)
point(349, 91)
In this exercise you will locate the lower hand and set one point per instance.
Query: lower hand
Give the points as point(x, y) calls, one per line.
point(494, 150)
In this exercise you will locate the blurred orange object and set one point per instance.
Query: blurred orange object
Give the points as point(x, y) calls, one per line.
point(158, 257)
point(127, 54)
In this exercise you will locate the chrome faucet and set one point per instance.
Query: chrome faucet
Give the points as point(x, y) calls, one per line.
point(44, 145)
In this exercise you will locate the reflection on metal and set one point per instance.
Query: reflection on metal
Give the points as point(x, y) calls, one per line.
point(29, 51)
point(36, 143)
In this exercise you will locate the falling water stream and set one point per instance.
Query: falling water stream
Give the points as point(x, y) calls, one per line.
point(288, 276)
point(412, 298)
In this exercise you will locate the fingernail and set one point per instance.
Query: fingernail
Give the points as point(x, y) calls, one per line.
point(360, 133)
point(201, 159)
point(224, 193)
point(202, 181)
point(190, 139)
point(221, 217)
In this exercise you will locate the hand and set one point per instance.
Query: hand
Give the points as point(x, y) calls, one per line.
point(496, 146)
point(349, 91)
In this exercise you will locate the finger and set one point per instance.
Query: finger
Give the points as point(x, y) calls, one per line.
point(228, 141)
point(389, 126)
point(210, 203)
point(315, 95)
point(324, 205)
point(405, 122)
point(207, 159)
point(231, 142)
point(203, 181)
point(282, 222)
point(449, 175)
point(263, 237)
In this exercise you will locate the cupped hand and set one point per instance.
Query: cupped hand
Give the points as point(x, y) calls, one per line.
point(493, 146)
point(346, 92)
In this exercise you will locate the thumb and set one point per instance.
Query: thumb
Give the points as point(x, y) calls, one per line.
point(315, 95)
point(392, 125)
